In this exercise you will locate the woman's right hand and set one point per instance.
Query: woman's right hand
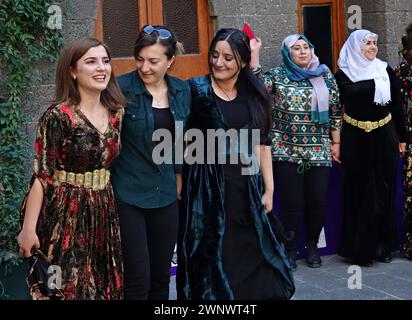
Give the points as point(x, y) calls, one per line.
point(27, 239)
point(255, 45)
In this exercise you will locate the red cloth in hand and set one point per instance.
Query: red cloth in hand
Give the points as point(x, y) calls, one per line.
point(246, 29)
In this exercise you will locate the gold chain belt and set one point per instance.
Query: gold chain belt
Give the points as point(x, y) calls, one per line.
point(368, 126)
point(96, 180)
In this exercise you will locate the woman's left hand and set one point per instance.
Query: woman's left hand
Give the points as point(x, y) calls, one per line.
point(267, 201)
point(335, 151)
point(179, 186)
point(402, 148)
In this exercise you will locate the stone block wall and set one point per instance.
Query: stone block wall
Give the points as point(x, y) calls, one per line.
point(271, 20)
point(388, 19)
point(79, 17)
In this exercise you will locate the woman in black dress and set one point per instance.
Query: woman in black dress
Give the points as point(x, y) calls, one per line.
point(227, 248)
point(404, 73)
point(372, 137)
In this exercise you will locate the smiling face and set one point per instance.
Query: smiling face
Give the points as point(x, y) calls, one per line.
point(370, 48)
point(92, 71)
point(301, 53)
point(152, 63)
point(223, 62)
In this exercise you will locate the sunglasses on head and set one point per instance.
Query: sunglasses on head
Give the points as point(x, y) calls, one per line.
point(162, 32)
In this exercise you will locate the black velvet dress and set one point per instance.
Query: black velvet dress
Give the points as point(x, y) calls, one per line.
point(226, 248)
point(369, 163)
point(249, 274)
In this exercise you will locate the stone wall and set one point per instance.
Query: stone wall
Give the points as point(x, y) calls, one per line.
point(271, 20)
point(78, 20)
point(398, 15)
point(388, 19)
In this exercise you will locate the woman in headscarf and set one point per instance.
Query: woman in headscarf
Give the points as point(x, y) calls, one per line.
point(404, 73)
point(306, 114)
point(373, 134)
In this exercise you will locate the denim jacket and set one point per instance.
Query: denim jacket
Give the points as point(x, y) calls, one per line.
point(136, 178)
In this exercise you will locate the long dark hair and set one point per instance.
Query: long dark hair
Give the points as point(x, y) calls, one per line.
point(248, 85)
point(66, 87)
point(406, 50)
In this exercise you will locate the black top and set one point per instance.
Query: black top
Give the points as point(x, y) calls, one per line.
point(357, 98)
point(163, 119)
point(235, 113)
point(137, 180)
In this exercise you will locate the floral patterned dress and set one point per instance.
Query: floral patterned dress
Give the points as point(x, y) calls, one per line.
point(404, 73)
point(78, 226)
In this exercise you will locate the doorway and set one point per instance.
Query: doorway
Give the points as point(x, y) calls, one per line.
point(118, 23)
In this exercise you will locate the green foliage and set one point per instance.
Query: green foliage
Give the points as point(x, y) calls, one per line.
point(25, 40)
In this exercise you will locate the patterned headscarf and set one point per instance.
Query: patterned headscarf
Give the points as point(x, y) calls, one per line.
point(314, 73)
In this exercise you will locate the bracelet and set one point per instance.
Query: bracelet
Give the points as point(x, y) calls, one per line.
point(257, 69)
point(333, 142)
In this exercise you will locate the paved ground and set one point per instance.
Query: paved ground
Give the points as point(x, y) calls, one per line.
point(382, 281)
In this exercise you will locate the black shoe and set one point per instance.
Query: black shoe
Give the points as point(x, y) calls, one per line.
point(362, 262)
point(408, 255)
point(293, 264)
point(407, 251)
point(312, 257)
point(292, 260)
point(383, 255)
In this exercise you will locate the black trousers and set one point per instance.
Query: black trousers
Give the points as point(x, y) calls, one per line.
point(148, 240)
point(300, 193)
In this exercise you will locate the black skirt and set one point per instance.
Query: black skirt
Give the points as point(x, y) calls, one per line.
point(250, 275)
point(370, 163)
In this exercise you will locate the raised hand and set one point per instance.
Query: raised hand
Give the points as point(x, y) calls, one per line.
point(255, 45)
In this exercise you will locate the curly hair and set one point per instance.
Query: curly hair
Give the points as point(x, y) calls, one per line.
point(406, 51)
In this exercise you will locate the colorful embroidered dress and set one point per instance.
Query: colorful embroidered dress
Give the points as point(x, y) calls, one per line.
point(78, 226)
point(296, 138)
point(404, 73)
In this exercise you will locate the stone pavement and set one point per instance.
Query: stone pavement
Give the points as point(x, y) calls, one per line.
point(382, 281)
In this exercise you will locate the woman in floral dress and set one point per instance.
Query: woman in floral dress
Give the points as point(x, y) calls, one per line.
point(404, 73)
point(69, 212)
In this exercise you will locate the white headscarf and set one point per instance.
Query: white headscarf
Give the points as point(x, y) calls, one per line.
point(358, 68)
